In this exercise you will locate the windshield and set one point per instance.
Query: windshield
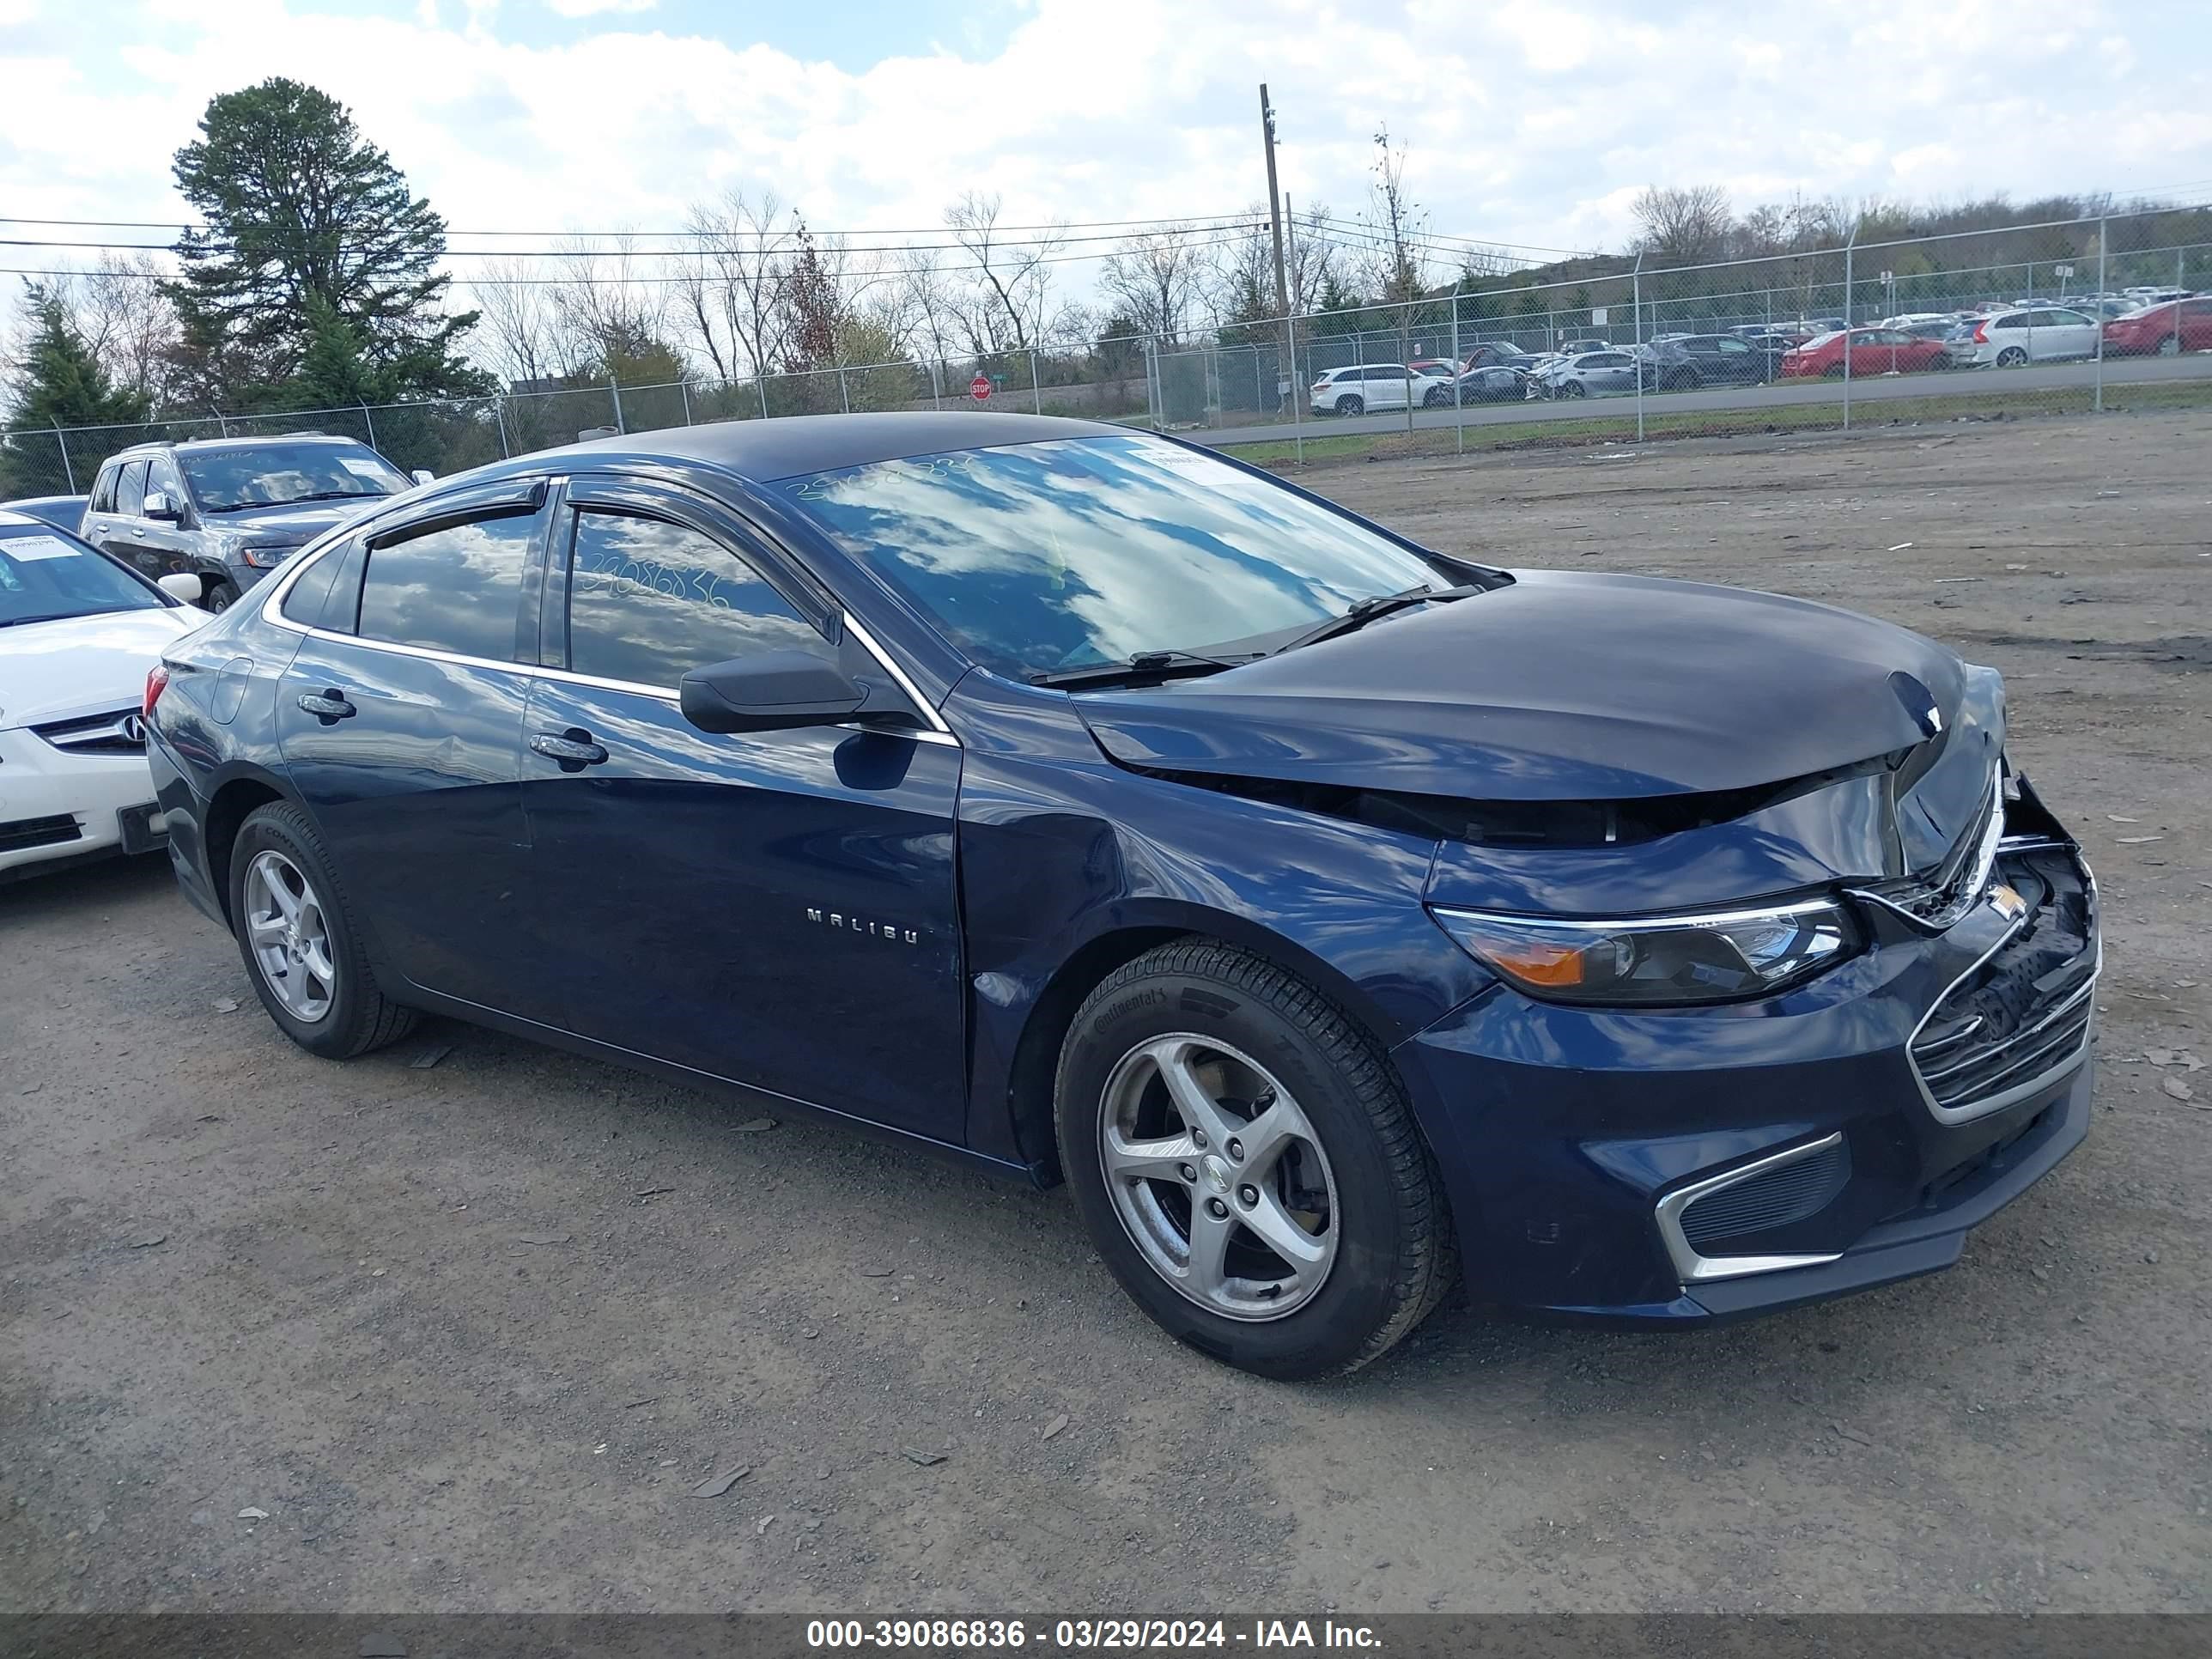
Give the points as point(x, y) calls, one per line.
point(272, 475)
point(1081, 550)
point(47, 574)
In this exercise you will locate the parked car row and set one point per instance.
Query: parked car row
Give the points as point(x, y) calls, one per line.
point(1999, 336)
point(92, 587)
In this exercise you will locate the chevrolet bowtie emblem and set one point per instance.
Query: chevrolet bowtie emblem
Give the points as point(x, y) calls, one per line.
point(2008, 902)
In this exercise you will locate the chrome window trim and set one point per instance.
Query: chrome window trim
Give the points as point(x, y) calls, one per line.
point(1696, 1269)
point(272, 612)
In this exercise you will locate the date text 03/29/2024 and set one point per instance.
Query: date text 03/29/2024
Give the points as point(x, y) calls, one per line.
point(1274, 1635)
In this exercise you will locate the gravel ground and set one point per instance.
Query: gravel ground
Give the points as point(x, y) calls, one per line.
point(469, 1320)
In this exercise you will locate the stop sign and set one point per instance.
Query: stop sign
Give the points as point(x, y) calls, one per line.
point(980, 387)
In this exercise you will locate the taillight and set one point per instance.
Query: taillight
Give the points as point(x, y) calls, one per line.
point(157, 681)
point(1981, 333)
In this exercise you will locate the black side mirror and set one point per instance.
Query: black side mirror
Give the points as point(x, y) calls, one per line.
point(780, 690)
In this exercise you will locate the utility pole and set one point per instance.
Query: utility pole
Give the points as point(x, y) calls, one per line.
point(1275, 224)
point(1291, 334)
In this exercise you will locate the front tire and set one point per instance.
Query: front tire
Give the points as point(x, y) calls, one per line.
point(2170, 346)
point(1247, 1164)
point(222, 593)
point(301, 948)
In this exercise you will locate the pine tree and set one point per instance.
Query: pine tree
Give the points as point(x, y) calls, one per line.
point(61, 383)
point(300, 208)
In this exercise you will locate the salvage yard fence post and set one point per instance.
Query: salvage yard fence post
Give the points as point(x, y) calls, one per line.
point(2098, 400)
point(1849, 247)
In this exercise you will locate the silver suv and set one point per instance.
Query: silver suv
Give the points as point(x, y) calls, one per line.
point(229, 510)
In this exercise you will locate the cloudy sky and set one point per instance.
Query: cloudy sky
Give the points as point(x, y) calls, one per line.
point(1529, 122)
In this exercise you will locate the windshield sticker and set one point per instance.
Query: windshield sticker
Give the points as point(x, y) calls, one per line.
point(26, 548)
point(363, 469)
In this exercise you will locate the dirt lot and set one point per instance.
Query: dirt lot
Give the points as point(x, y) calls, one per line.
point(469, 1333)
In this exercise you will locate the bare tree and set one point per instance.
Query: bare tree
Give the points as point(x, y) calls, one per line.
point(729, 287)
point(606, 309)
point(1154, 279)
point(1314, 259)
point(1683, 226)
point(1012, 278)
point(516, 336)
point(1399, 256)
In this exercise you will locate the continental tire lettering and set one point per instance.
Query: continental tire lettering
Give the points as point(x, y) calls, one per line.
point(1122, 1008)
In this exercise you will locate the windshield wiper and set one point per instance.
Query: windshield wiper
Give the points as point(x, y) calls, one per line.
point(58, 616)
point(1142, 664)
point(1366, 610)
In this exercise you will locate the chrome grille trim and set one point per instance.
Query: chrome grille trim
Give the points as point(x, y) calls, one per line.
point(2074, 1038)
point(118, 732)
point(1696, 1269)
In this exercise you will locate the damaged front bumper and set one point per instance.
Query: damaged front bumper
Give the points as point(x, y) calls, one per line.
point(1667, 1166)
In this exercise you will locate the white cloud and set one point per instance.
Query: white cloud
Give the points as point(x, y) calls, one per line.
point(596, 7)
point(1534, 124)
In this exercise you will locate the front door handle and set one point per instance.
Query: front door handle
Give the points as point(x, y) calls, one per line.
point(574, 748)
point(329, 706)
point(138, 532)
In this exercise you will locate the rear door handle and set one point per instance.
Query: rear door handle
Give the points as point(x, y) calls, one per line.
point(329, 706)
point(574, 748)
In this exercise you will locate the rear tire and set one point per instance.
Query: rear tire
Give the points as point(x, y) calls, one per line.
point(2170, 346)
point(1351, 405)
point(1245, 1041)
point(2011, 357)
point(1573, 389)
point(278, 847)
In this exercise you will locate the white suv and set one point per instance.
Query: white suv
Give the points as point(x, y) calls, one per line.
point(1362, 386)
point(2040, 334)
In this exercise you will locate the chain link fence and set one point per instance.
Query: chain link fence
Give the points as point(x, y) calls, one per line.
point(2073, 316)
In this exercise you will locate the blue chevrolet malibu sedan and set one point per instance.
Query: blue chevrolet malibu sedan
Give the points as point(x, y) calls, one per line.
point(1336, 917)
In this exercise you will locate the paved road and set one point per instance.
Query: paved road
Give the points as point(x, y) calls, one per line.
point(2050, 377)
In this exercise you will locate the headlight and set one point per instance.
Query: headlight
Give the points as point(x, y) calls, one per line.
point(1661, 961)
point(265, 557)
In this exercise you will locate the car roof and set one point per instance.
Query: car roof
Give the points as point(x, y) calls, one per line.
point(255, 442)
point(762, 452)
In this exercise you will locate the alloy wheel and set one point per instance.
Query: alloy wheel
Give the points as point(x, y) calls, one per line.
point(1218, 1177)
point(290, 936)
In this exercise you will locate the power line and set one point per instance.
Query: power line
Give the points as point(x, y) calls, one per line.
point(1227, 235)
point(691, 235)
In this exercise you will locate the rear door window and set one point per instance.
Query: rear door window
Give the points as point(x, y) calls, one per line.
point(650, 601)
point(131, 489)
point(456, 587)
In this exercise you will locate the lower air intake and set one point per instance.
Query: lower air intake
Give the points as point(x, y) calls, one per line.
point(1775, 1198)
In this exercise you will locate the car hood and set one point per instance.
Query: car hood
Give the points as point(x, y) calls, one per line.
point(84, 664)
point(297, 524)
point(1557, 688)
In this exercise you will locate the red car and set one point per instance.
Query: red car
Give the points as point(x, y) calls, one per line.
point(2141, 333)
point(1874, 351)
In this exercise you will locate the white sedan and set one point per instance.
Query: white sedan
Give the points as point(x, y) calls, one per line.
point(78, 634)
